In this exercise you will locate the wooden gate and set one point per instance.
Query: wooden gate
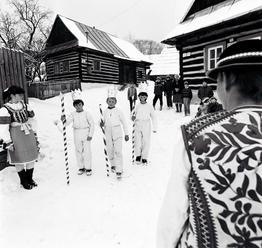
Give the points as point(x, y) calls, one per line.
point(12, 70)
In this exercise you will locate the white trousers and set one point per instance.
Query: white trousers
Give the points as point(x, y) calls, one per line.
point(114, 137)
point(83, 148)
point(142, 138)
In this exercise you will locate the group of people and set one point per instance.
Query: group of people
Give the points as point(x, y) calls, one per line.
point(19, 136)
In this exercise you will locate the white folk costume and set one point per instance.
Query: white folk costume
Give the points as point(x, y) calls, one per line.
point(144, 114)
point(16, 130)
point(83, 126)
point(114, 121)
point(214, 198)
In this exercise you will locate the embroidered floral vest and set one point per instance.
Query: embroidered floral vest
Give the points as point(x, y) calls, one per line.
point(225, 181)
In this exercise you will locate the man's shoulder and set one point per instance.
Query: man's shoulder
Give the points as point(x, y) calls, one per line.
point(193, 128)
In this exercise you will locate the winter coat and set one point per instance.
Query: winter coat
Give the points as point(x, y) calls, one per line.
point(205, 92)
point(169, 86)
point(214, 107)
point(158, 90)
point(132, 92)
point(187, 93)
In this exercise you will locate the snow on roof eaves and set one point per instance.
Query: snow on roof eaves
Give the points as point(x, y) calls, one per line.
point(130, 50)
point(82, 41)
point(225, 13)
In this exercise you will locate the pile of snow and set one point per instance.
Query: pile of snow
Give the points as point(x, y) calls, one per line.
point(92, 211)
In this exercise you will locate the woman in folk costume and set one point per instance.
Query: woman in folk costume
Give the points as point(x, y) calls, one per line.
point(214, 196)
point(113, 122)
point(83, 126)
point(18, 135)
point(143, 115)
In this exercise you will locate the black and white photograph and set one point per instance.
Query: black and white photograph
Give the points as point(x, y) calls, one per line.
point(131, 124)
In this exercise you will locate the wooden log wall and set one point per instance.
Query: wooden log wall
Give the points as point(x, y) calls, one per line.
point(109, 72)
point(57, 60)
point(12, 70)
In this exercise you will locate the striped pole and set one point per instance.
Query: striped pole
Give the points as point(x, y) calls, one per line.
point(133, 136)
point(64, 136)
point(104, 140)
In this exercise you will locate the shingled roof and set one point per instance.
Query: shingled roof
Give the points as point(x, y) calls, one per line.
point(95, 39)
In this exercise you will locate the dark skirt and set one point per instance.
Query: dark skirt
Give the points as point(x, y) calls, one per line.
point(25, 146)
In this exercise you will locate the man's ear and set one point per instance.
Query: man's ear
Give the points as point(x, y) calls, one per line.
point(230, 79)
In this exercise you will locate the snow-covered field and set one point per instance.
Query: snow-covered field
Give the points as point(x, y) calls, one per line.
point(92, 211)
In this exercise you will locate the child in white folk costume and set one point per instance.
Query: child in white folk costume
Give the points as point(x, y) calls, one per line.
point(17, 134)
point(83, 126)
point(113, 122)
point(143, 115)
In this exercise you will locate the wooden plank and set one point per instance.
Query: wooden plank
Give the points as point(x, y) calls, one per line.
point(3, 80)
point(7, 72)
point(15, 67)
point(11, 66)
point(23, 82)
point(18, 64)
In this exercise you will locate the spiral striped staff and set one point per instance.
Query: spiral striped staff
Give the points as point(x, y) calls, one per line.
point(104, 140)
point(133, 136)
point(64, 137)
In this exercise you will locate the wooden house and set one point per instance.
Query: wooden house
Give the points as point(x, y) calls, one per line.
point(207, 28)
point(77, 51)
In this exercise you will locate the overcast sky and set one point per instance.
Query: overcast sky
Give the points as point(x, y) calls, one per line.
point(139, 19)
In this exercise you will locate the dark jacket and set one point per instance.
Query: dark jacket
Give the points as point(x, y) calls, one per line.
point(169, 86)
point(132, 92)
point(187, 93)
point(158, 90)
point(214, 107)
point(205, 92)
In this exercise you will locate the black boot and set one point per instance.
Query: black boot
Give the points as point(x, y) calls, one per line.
point(29, 174)
point(23, 180)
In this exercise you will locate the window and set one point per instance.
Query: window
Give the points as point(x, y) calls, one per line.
point(61, 67)
point(213, 55)
point(140, 74)
point(97, 65)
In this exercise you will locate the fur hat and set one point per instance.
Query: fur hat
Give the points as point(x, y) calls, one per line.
point(243, 54)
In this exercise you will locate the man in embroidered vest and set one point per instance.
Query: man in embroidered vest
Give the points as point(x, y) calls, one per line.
point(214, 197)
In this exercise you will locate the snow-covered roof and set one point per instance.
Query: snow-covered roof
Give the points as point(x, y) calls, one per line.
point(215, 15)
point(102, 41)
point(165, 63)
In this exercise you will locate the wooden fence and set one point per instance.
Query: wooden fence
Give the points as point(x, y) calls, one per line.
point(12, 70)
point(47, 89)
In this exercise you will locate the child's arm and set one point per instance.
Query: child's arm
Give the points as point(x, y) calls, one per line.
point(123, 122)
point(91, 124)
point(153, 118)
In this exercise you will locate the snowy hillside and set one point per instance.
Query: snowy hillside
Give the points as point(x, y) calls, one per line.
point(92, 211)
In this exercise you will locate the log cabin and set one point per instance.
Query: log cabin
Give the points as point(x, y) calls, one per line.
point(77, 51)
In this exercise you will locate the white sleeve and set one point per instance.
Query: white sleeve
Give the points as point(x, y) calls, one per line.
point(153, 118)
point(69, 119)
point(173, 213)
point(5, 121)
point(123, 121)
point(91, 124)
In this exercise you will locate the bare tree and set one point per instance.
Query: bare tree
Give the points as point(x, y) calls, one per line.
point(148, 46)
point(26, 28)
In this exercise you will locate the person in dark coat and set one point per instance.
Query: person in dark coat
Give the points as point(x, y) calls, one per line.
point(204, 91)
point(158, 91)
point(132, 96)
point(168, 88)
point(186, 96)
point(213, 106)
point(177, 99)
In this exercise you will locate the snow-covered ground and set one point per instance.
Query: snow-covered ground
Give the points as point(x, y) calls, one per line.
point(92, 211)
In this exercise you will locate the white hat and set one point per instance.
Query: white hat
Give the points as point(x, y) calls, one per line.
point(76, 95)
point(112, 91)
